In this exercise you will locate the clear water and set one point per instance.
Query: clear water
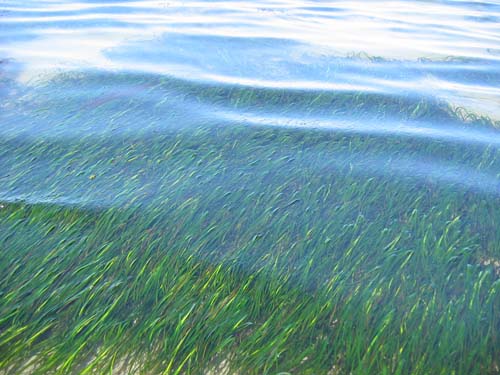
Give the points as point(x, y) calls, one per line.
point(269, 187)
point(98, 70)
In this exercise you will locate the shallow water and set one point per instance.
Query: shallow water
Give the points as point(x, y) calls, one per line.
point(331, 166)
point(297, 64)
point(441, 49)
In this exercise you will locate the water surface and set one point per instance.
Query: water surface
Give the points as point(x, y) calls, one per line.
point(379, 69)
point(262, 186)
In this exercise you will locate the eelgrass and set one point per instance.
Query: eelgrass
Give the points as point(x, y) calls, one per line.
point(187, 249)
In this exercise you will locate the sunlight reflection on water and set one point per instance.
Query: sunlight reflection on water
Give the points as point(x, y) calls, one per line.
point(96, 71)
point(445, 49)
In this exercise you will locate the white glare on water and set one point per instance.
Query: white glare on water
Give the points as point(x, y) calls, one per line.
point(271, 43)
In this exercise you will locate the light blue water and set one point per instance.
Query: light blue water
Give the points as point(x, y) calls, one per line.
point(445, 49)
point(96, 71)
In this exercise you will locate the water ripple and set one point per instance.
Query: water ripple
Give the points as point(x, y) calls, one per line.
point(446, 49)
point(423, 72)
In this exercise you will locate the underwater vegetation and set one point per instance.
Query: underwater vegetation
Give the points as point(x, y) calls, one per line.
point(136, 238)
point(249, 187)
